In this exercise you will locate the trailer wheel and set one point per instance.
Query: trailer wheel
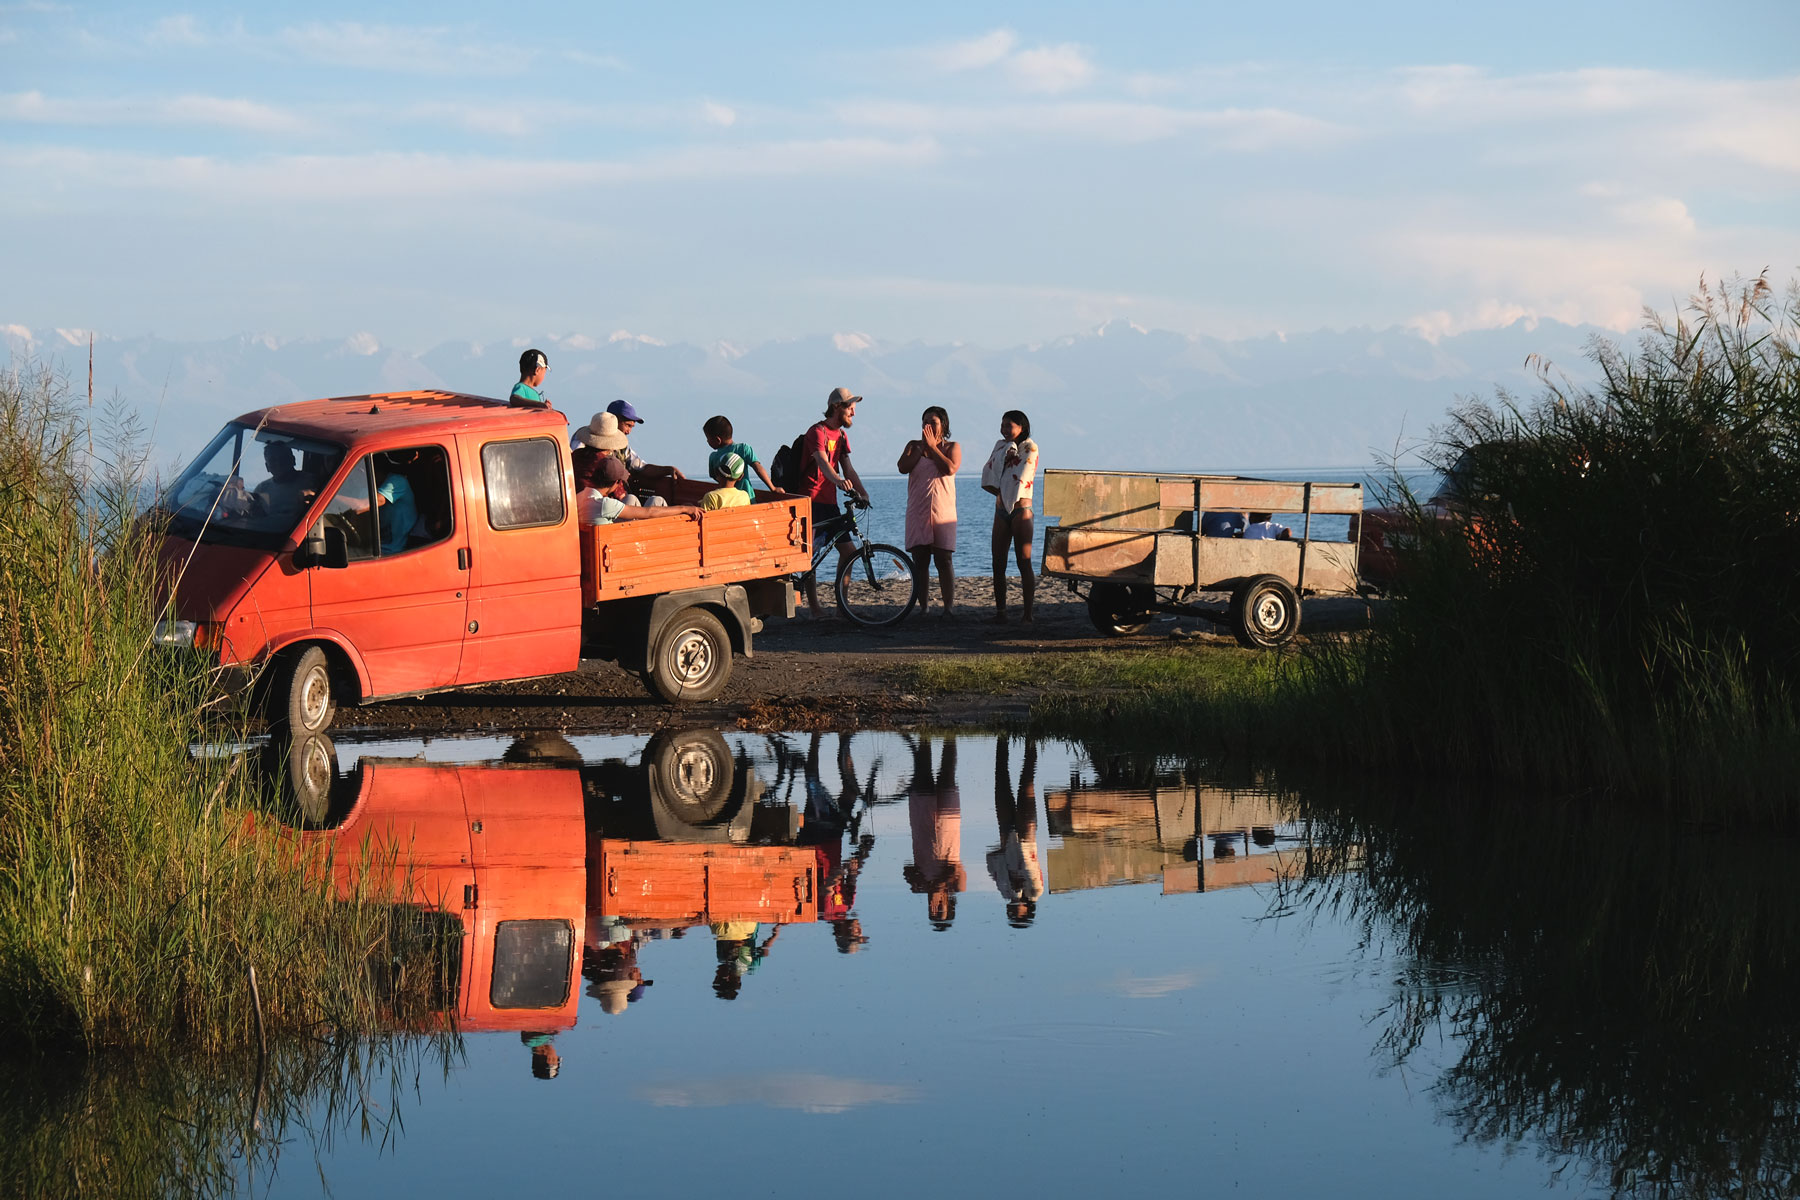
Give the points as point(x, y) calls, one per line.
point(693, 774)
point(304, 694)
point(1118, 609)
point(692, 659)
point(1265, 612)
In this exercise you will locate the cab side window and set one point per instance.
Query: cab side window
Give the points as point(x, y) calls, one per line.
point(524, 481)
point(411, 505)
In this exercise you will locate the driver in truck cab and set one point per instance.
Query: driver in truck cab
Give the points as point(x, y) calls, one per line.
point(393, 498)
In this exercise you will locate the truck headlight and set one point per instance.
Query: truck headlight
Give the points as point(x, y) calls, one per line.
point(187, 635)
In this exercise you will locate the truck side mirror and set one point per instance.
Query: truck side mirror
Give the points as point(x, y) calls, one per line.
point(337, 549)
point(312, 547)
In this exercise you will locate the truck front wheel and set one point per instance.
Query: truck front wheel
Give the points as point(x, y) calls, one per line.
point(693, 658)
point(304, 697)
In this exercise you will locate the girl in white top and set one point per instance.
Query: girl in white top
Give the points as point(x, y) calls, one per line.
point(1011, 475)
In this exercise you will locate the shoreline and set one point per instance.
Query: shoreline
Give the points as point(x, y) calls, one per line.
point(828, 675)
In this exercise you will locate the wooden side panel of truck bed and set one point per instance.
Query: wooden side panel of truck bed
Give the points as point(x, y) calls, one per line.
point(679, 883)
point(772, 537)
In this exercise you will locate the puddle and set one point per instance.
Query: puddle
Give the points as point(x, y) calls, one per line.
point(890, 962)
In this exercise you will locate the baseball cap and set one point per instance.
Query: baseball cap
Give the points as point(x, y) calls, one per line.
point(841, 398)
point(622, 409)
point(610, 471)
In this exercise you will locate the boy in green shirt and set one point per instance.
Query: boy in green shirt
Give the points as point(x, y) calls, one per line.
point(718, 436)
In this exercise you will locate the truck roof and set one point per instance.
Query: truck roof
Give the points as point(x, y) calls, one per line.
point(347, 418)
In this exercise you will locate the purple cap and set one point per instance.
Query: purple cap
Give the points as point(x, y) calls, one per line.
point(622, 409)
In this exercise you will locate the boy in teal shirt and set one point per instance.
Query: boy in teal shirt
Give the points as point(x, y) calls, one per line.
point(718, 436)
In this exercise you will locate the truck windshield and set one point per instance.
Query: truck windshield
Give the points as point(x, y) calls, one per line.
point(249, 487)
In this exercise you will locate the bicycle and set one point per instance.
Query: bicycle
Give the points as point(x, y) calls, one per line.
point(875, 582)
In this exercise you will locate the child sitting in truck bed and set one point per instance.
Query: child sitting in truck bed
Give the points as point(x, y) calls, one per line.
point(600, 491)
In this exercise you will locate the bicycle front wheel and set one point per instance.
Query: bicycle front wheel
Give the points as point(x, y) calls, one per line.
point(875, 586)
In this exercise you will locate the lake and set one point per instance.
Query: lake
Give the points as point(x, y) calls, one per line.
point(889, 963)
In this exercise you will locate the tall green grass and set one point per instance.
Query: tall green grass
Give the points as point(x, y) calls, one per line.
point(1608, 607)
point(137, 893)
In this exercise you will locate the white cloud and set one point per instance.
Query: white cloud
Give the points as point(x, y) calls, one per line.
point(363, 344)
point(350, 178)
point(587, 58)
point(180, 30)
point(406, 48)
point(1050, 68)
point(1656, 112)
point(971, 54)
point(215, 111)
point(852, 343)
point(807, 1093)
point(718, 114)
point(1155, 987)
point(1099, 120)
point(643, 339)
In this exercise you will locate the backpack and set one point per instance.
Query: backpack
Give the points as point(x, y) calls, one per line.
point(788, 470)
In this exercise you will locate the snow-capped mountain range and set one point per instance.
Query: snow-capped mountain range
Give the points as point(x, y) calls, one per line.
point(1119, 396)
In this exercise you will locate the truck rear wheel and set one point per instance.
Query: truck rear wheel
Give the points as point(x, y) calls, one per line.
point(1265, 612)
point(1118, 609)
point(303, 697)
point(693, 658)
point(693, 774)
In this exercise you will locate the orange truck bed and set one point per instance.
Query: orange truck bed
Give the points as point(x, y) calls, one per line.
point(690, 884)
point(770, 538)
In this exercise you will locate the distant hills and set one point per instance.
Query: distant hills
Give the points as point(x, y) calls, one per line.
point(1119, 396)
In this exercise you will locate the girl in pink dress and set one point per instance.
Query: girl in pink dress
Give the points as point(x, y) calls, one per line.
point(930, 465)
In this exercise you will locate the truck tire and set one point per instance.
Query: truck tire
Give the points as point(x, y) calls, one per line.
point(303, 696)
point(1118, 609)
point(312, 776)
point(692, 774)
point(693, 658)
point(1265, 612)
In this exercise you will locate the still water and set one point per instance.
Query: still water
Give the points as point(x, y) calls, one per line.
point(892, 964)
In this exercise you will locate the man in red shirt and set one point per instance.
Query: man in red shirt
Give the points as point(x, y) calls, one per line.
point(826, 470)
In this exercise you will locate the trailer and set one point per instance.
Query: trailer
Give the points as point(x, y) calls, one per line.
point(1133, 544)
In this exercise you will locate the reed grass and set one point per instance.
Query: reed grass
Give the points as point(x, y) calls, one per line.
point(138, 890)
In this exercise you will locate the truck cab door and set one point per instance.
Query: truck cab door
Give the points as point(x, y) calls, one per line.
point(402, 601)
point(525, 579)
point(526, 933)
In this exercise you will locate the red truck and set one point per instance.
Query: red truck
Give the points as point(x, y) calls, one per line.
point(365, 548)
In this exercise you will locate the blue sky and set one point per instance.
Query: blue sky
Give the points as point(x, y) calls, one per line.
point(988, 173)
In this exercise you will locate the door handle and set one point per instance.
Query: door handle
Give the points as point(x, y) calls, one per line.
point(462, 558)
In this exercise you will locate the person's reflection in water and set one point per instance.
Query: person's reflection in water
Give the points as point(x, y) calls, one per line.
point(935, 806)
point(739, 955)
point(829, 817)
point(611, 967)
point(1014, 862)
point(545, 1062)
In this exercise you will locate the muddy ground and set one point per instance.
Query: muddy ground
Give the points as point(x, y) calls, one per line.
point(813, 675)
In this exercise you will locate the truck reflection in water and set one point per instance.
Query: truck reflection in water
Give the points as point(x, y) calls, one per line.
point(547, 868)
